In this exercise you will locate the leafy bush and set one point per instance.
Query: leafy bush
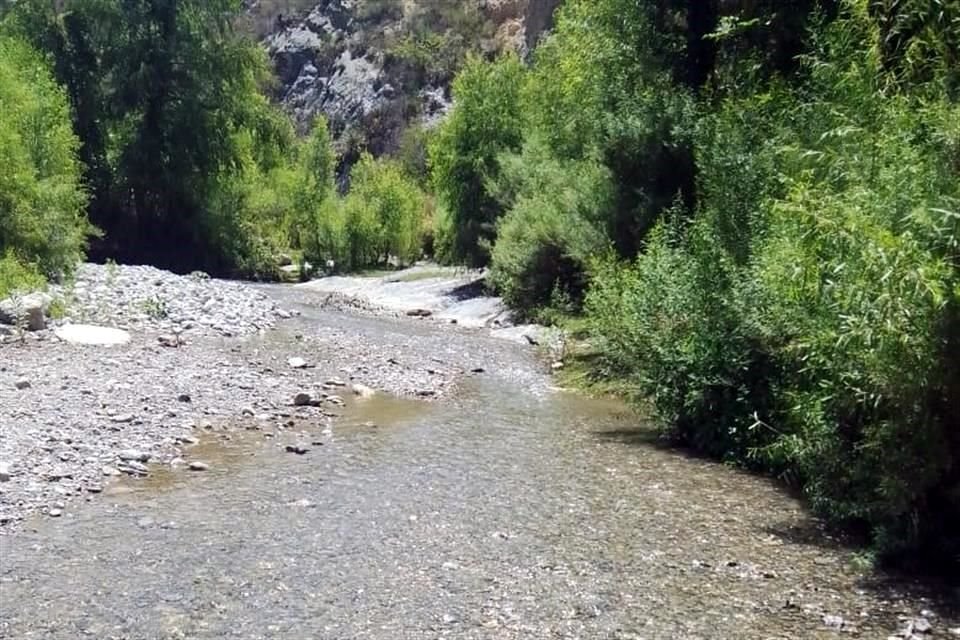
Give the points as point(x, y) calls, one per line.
point(384, 214)
point(806, 320)
point(555, 225)
point(17, 277)
point(42, 221)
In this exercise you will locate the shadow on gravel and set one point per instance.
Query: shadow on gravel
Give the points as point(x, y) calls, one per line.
point(475, 289)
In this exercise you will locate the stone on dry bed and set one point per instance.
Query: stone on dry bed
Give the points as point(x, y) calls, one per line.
point(142, 297)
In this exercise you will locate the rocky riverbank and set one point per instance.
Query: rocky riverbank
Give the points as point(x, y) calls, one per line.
point(202, 358)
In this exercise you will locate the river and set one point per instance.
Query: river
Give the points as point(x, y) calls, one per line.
point(510, 509)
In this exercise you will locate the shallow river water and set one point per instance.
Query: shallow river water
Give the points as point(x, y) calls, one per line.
point(510, 509)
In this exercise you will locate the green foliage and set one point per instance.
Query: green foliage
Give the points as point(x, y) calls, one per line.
point(167, 104)
point(17, 277)
point(485, 122)
point(805, 320)
point(553, 228)
point(43, 228)
point(598, 89)
point(384, 214)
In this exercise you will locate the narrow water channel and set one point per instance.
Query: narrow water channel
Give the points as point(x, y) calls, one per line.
point(508, 510)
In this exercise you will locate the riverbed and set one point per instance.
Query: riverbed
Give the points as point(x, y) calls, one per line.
point(504, 507)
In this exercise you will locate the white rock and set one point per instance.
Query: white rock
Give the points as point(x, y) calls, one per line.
point(363, 391)
point(297, 363)
point(92, 335)
point(196, 465)
point(133, 455)
point(4, 472)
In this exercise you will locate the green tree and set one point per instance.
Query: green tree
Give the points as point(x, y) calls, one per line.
point(486, 121)
point(43, 227)
point(160, 92)
point(384, 213)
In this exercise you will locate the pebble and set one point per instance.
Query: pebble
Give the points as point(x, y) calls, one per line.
point(123, 417)
point(134, 455)
point(55, 512)
point(135, 468)
point(303, 399)
point(834, 622)
point(196, 465)
point(22, 383)
point(184, 397)
point(297, 449)
point(4, 472)
point(297, 363)
point(335, 382)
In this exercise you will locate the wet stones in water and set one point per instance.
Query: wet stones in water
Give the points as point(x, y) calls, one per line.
point(335, 382)
point(22, 383)
point(297, 363)
point(478, 370)
point(335, 400)
point(297, 449)
point(426, 393)
point(197, 465)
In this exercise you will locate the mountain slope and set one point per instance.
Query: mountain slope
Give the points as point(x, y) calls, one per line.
point(374, 66)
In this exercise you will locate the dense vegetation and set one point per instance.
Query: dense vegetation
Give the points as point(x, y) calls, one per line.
point(185, 162)
point(754, 207)
point(42, 226)
point(757, 210)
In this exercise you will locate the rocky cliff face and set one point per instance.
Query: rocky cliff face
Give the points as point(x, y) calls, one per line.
point(374, 66)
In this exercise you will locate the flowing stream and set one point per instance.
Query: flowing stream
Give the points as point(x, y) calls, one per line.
point(510, 509)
